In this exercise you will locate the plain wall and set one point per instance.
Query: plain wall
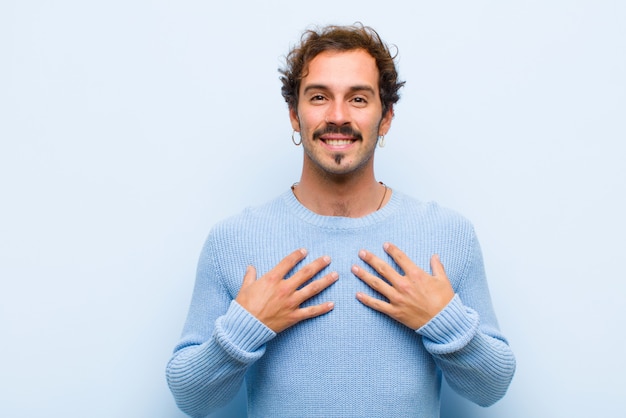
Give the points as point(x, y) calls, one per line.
point(129, 128)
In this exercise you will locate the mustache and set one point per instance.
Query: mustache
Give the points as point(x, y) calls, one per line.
point(334, 129)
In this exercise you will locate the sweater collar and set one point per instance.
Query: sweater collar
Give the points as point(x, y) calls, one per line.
point(341, 222)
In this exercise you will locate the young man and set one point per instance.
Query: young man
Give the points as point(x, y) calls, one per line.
point(322, 298)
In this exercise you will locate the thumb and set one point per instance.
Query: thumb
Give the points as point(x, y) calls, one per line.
point(249, 277)
point(437, 267)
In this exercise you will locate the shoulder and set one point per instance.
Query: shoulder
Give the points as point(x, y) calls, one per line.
point(250, 219)
point(431, 213)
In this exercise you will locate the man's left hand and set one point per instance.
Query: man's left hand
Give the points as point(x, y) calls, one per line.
point(413, 298)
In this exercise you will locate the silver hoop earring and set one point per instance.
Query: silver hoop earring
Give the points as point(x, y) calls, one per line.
point(293, 138)
point(381, 141)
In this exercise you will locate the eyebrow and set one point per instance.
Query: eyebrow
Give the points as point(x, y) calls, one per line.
point(352, 88)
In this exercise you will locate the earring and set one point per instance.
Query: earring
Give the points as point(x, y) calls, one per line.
point(293, 139)
point(381, 141)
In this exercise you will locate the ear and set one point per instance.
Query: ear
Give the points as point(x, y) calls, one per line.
point(295, 120)
point(385, 122)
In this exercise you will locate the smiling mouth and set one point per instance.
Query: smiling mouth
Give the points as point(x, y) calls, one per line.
point(337, 142)
point(337, 136)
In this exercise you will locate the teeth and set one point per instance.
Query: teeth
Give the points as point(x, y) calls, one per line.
point(338, 142)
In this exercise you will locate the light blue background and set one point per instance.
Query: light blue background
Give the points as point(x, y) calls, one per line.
point(128, 128)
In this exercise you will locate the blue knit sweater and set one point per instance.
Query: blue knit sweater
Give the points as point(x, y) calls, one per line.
point(353, 361)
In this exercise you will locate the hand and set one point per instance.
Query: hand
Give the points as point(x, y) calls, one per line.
point(276, 301)
point(415, 298)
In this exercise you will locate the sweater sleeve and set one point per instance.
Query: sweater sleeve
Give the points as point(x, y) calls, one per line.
point(465, 341)
point(219, 342)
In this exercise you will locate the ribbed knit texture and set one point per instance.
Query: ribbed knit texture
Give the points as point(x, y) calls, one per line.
point(353, 361)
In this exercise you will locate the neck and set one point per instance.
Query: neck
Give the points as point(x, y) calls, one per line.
point(352, 198)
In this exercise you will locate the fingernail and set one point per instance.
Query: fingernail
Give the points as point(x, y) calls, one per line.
point(386, 245)
point(355, 269)
point(334, 275)
point(303, 251)
point(330, 305)
point(362, 253)
point(327, 259)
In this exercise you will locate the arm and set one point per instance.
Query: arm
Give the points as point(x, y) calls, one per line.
point(459, 330)
point(224, 337)
point(205, 376)
point(219, 342)
point(465, 340)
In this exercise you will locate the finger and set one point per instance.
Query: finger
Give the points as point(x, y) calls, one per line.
point(313, 311)
point(249, 277)
point(372, 281)
point(401, 259)
point(287, 264)
point(374, 303)
point(312, 289)
point(308, 271)
point(437, 267)
point(381, 267)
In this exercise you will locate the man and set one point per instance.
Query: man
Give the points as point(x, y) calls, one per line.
point(317, 298)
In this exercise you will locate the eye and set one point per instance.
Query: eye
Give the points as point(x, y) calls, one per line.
point(317, 98)
point(359, 101)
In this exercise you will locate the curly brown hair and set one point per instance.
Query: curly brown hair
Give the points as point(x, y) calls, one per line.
point(340, 38)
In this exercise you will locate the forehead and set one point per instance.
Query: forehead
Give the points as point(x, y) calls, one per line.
point(342, 68)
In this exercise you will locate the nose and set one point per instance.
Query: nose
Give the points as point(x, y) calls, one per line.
point(338, 113)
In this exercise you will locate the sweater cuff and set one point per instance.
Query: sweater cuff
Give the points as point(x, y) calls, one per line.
point(451, 329)
point(241, 334)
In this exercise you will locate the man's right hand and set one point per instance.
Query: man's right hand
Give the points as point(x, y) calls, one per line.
point(276, 301)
